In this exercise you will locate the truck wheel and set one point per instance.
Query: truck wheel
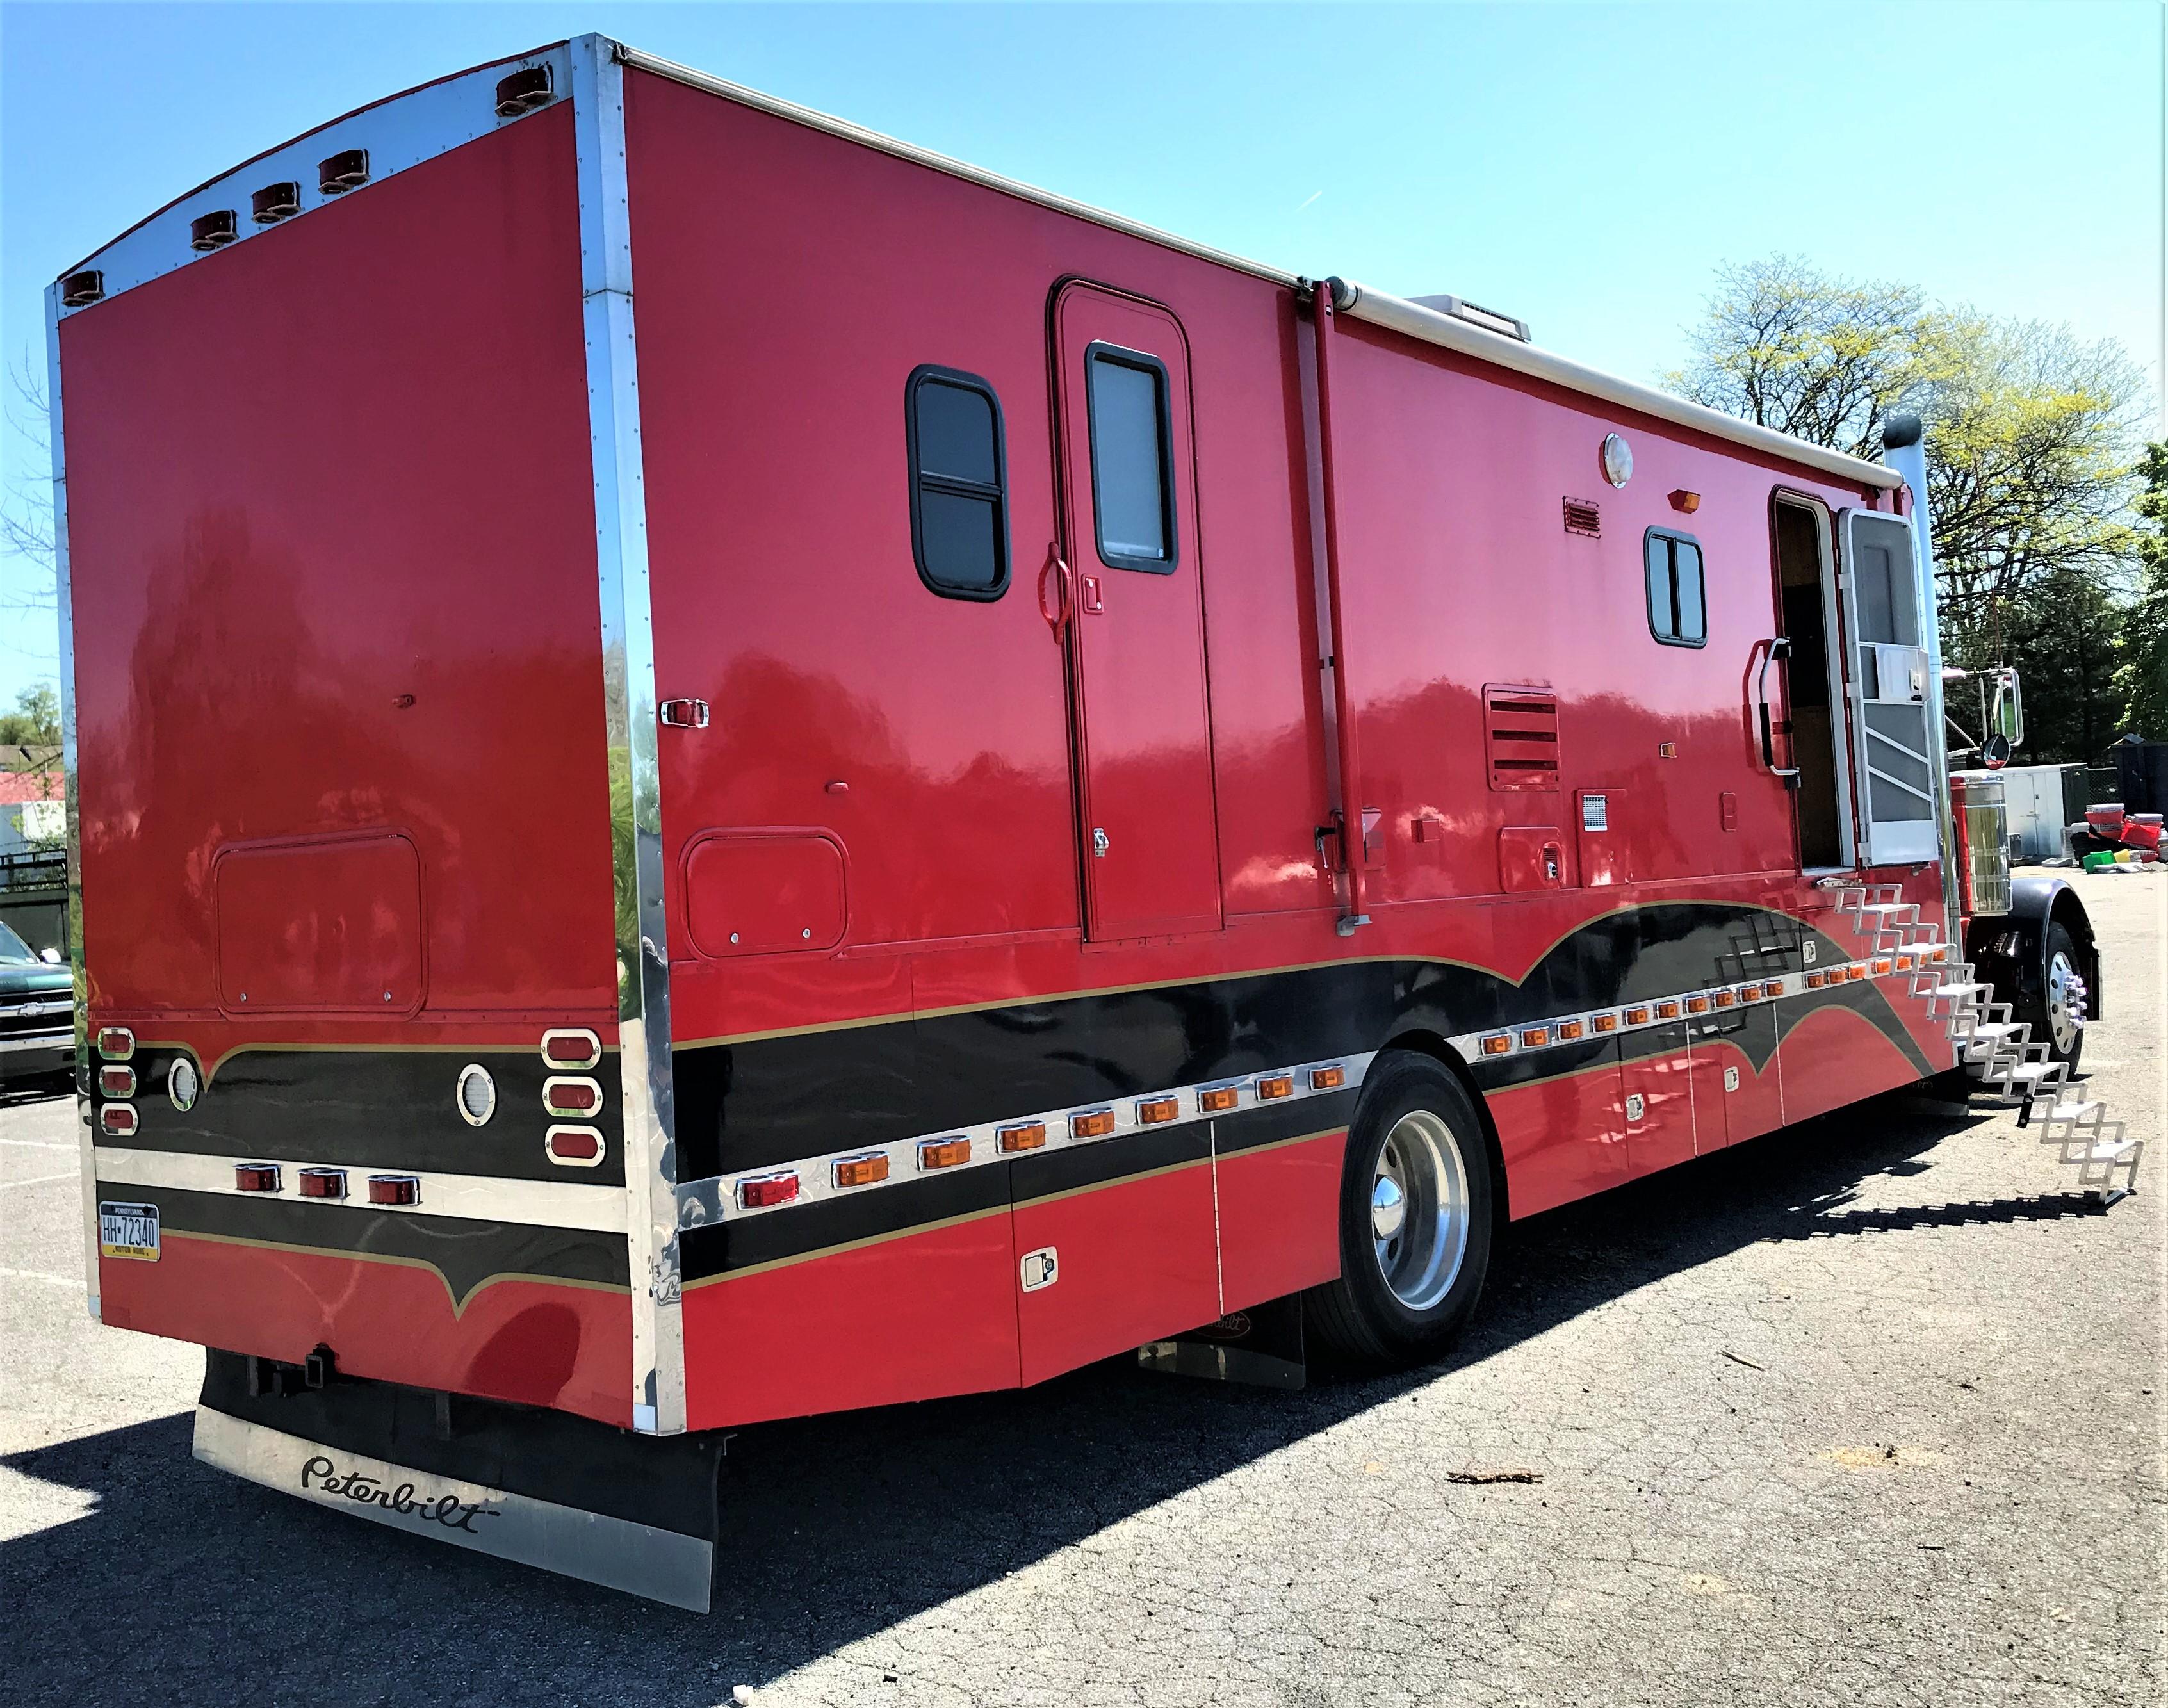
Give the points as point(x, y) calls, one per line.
point(2055, 1014)
point(1416, 1207)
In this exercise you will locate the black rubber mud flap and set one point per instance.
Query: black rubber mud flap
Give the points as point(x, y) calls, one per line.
point(635, 1512)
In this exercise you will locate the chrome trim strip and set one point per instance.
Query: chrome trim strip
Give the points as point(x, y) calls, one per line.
point(400, 131)
point(1411, 319)
point(466, 1197)
point(37, 1041)
point(628, 669)
point(618, 1553)
point(64, 608)
point(702, 1202)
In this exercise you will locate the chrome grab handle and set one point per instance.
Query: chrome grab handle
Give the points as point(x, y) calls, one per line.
point(1780, 647)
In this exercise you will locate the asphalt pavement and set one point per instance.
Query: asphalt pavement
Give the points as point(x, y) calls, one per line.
point(1867, 1412)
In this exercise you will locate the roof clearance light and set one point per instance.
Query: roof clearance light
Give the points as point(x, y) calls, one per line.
point(867, 1169)
point(1022, 1135)
point(762, 1191)
point(1093, 1123)
point(1330, 1079)
point(1214, 1099)
point(944, 1153)
point(1273, 1086)
point(1154, 1111)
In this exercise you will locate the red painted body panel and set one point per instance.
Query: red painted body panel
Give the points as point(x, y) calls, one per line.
point(512, 1339)
point(929, 1312)
point(1279, 1219)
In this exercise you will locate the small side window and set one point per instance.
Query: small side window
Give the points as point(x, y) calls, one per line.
point(958, 467)
point(1677, 616)
point(1132, 459)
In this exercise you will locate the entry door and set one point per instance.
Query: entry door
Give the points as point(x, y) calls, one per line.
point(1150, 852)
point(1888, 686)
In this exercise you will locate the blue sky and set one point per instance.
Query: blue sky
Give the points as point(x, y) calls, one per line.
point(1585, 167)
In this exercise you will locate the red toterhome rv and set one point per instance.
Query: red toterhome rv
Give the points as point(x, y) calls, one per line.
point(727, 770)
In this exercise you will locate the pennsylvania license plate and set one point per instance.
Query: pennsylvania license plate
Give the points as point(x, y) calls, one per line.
point(128, 1230)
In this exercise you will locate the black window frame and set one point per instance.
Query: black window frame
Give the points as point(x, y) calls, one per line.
point(1671, 561)
point(919, 478)
point(1099, 350)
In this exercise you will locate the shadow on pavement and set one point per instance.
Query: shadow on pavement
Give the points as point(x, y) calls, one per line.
point(835, 1528)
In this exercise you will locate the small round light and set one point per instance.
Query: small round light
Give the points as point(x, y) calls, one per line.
point(478, 1094)
point(1617, 460)
point(183, 1083)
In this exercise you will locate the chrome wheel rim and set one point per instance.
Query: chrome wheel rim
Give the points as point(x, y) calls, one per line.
point(2062, 1005)
point(1419, 1210)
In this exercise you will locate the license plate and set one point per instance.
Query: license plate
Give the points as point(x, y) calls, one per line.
point(129, 1231)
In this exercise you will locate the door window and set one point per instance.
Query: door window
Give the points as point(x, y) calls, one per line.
point(1132, 441)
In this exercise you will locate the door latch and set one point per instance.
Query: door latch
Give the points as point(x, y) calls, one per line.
point(684, 714)
point(1099, 844)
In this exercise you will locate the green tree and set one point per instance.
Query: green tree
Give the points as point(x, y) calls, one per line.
point(2141, 678)
point(35, 721)
point(2030, 447)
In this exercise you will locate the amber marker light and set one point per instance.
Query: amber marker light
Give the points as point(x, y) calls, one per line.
point(1095, 1123)
point(1686, 503)
point(1216, 1100)
point(1855, 973)
point(869, 1169)
point(762, 1191)
point(1749, 993)
point(1637, 1016)
point(1724, 999)
point(1273, 1085)
point(1604, 1022)
point(1022, 1135)
point(1327, 1079)
point(944, 1153)
point(1880, 968)
point(395, 1188)
point(1535, 1036)
point(1157, 1112)
point(1939, 955)
point(1569, 1029)
point(1814, 981)
point(1495, 1045)
point(1697, 1005)
point(1667, 1010)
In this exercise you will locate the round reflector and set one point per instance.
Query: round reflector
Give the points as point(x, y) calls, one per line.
point(477, 1094)
point(183, 1083)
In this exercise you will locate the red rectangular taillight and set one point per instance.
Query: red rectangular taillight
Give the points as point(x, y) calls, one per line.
point(256, 1177)
point(117, 1082)
point(118, 1119)
point(395, 1188)
point(322, 1183)
point(762, 1191)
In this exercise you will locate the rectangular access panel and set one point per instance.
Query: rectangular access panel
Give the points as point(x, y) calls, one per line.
point(1136, 631)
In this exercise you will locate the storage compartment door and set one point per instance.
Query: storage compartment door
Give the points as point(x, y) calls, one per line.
point(1887, 677)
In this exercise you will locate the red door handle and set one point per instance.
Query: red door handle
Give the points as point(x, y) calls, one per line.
point(1057, 619)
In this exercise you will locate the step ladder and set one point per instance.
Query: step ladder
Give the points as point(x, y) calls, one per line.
point(2009, 1062)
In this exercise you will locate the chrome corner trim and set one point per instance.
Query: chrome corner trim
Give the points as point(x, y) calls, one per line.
point(635, 783)
point(64, 606)
point(618, 1553)
point(463, 1198)
point(400, 131)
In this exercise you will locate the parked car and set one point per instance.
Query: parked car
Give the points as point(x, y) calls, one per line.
point(37, 1014)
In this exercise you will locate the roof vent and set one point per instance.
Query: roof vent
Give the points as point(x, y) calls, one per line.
point(1582, 517)
point(343, 172)
point(523, 92)
point(213, 231)
point(79, 290)
point(1459, 309)
point(275, 203)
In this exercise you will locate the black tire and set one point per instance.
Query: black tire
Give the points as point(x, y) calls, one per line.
point(1360, 1315)
point(2049, 1001)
